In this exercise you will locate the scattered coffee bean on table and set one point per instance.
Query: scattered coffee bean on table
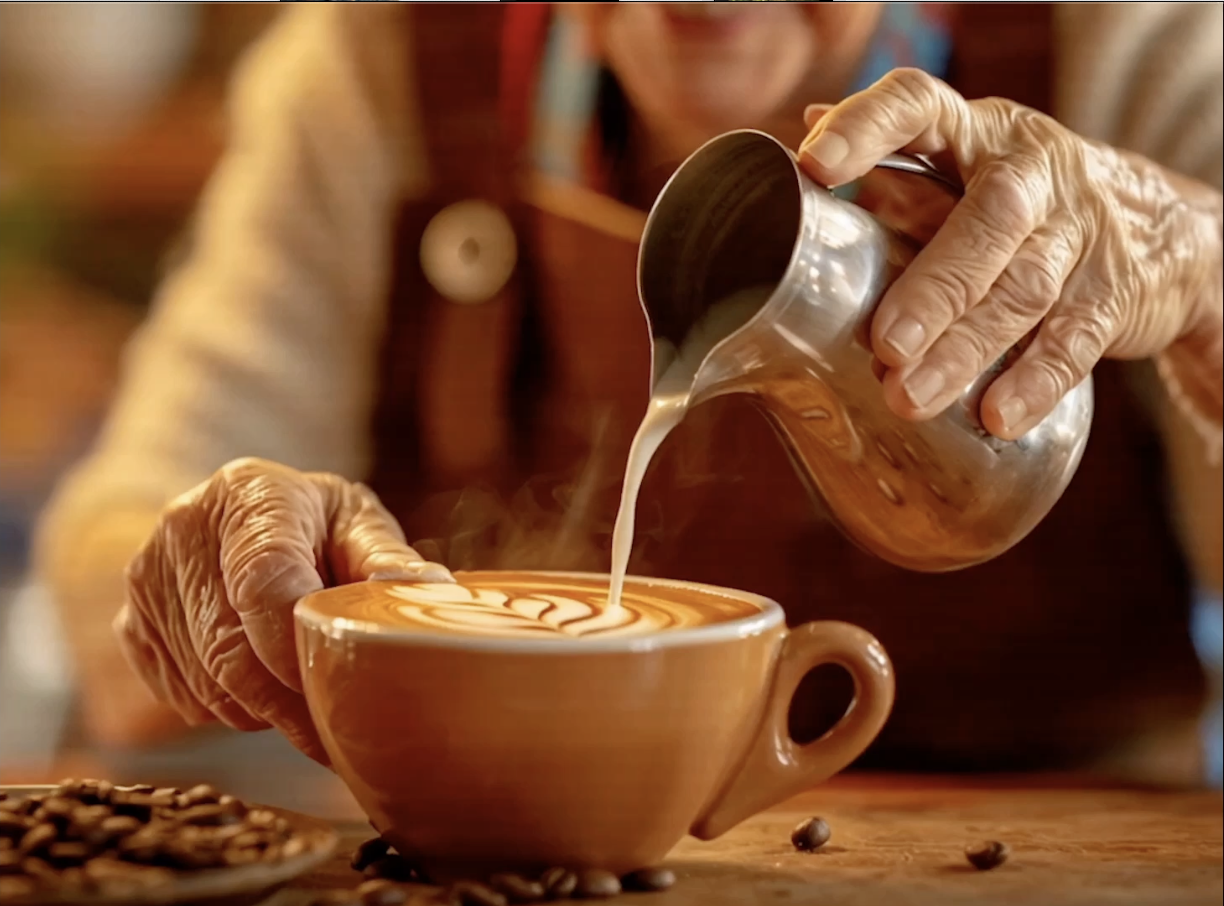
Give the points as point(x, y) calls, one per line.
point(517, 889)
point(559, 883)
point(595, 884)
point(380, 892)
point(811, 834)
point(987, 855)
point(90, 836)
point(369, 852)
point(391, 868)
point(648, 880)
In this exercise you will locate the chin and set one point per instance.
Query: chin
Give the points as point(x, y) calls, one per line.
point(713, 112)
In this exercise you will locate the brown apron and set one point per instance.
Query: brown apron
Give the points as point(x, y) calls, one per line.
point(503, 427)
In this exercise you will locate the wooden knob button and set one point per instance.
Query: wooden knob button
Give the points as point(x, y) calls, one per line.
point(468, 251)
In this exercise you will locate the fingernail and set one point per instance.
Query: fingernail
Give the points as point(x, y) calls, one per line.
point(906, 336)
point(435, 572)
point(923, 386)
point(829, 149)
point(422, 571)
point(1012, 411)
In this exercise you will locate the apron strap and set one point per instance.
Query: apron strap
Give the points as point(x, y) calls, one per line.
point(474, 67)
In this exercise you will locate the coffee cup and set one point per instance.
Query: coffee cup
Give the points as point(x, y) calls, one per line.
point(511, 721)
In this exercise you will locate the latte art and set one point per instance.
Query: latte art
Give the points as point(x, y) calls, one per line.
point(540, 606)
point(490, 611)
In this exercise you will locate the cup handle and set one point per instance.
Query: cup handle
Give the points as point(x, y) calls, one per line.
point(776, 767)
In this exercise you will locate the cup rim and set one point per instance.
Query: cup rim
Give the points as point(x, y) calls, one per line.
point(343, 628)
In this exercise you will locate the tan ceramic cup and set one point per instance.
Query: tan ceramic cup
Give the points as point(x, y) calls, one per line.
point(475, 754)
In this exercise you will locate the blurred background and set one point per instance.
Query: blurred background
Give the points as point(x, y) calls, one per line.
point(112, 118)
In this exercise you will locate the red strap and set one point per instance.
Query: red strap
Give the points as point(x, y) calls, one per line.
point(524, 32)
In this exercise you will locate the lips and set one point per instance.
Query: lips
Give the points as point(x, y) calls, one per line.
point(706, 20)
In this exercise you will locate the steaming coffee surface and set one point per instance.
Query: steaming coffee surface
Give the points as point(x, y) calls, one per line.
point(538, 606)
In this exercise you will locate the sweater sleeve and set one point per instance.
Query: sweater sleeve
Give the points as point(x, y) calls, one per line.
point(263, 340)
point(1149, 78)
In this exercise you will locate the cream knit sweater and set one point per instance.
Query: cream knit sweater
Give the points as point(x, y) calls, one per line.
point(264, 341)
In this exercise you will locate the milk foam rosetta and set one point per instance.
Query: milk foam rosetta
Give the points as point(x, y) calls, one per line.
point(543, 607)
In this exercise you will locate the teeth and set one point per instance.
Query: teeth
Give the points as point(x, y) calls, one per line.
point(701, 10)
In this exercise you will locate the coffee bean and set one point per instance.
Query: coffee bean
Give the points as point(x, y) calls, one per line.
point(596, 884)
point(381, 892)
point(391, 867)
point(987, 855)
point(261, 817)
point(184, 855)
point(242, 856)
point(250, 838)
point(208, 815)
point(69, 853)
point(163, 798)
point(36, 838)
point(472, 893)
point(114, 827)
point(200, 794)
point(135, 805)
point(57, 809)
point(649, 879)
point(811, 834)
point(97, 791)
point(368, 853)
point(14, 887)
point(517, 889)
point(87, 817)
point(141, 847)
point(14, 826)
point(38, 869)
point(10, 862)
point(559, 883)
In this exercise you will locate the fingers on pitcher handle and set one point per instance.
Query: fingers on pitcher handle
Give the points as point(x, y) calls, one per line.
point(776, 767)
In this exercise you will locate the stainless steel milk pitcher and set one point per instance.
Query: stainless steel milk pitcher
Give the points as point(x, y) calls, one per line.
point(933, 496)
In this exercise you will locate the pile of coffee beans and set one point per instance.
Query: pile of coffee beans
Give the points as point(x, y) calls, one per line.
point(90, 835)
point(389, 876)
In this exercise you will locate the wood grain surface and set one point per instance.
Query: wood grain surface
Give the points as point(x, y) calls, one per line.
point(900, 842)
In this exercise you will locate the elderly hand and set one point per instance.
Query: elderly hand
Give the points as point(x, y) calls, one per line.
point(1107, 252)
point(209, 619)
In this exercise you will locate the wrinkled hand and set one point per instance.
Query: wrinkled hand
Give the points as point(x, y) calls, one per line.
point(1096, 246)
point(209, 620)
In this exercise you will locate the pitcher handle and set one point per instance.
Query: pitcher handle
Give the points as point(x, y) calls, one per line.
point(777, 767)
point(920, 165)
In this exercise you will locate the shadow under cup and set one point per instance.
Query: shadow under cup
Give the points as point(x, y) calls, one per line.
point(473, 754)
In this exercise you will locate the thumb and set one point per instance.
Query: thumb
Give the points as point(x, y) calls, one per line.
point(366, 542)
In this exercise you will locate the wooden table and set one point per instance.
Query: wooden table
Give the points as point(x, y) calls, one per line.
point(900, 842)
point(897, 841)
